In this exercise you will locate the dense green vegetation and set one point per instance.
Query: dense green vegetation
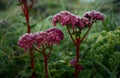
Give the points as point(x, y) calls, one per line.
point(100, 52)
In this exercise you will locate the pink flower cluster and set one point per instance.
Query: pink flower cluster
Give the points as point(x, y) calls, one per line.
point(48, 38)
point(55, 35)
point(84, 22)
point(94, 15)
point(25, 41)
point(67, 18)
point(39, 38)
point(73, 63)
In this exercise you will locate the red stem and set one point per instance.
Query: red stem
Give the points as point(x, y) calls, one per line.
point(27, 15)
point(32, 63)
point(32, 1)
point(77, 44)
point(45, 66)
point(77, 56)
point(70, 35)
point(49, 53)
point(86, 34)
point(25, 9)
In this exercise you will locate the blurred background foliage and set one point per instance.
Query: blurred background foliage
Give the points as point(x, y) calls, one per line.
point(100, 52)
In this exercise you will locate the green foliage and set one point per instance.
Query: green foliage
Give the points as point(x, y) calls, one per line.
point(105, 53)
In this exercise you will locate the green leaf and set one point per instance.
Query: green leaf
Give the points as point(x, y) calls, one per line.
point(105, 68)
point(20, 3)
point(24, 23)
point(32, 26)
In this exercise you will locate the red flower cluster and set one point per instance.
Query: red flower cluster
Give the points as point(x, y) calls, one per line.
point(55, 35)
point(49, 37)
point(67, 18)
point(94, 15)
point(39, 38)
point(73, 63)
point(83, 22)
point(25, 41)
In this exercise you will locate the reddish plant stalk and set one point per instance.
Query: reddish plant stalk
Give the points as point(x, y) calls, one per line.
point(77, 56)
point(86, 34)
point(25, 9)
point(32, 1)
point(32, 63)
point(78, 41)
point(70, 34)
point(26, 12)
point(77, 44)
point(45, 66)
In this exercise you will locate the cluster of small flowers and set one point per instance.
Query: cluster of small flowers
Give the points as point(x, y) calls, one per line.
point(55, 35)
point(48, 38)
point(67, 18)
point(94, 15)
point(84, 22)
point(25, 41)
point(39, 38)
point(73, 63)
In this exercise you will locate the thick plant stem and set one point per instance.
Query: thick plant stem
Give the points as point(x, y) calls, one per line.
point(25, 9)
point(31, 57)
point(45, 66)
point(31, 52)
point(32, 63)
point(77, 56)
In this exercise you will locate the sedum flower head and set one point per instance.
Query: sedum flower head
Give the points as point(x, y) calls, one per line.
point(65, 18)
point(49, 37)
point(84, 22)
point(55, 35)
point(60, 33)
point(73, 63)
point(95, 15)
point(25, 41)
point(39, 38)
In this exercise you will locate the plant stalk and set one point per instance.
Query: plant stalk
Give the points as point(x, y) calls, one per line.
point(45, 66)
point(77, 56)
point(86, 34)
point(25, 9)
point(32, 63)
point(70, 35)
